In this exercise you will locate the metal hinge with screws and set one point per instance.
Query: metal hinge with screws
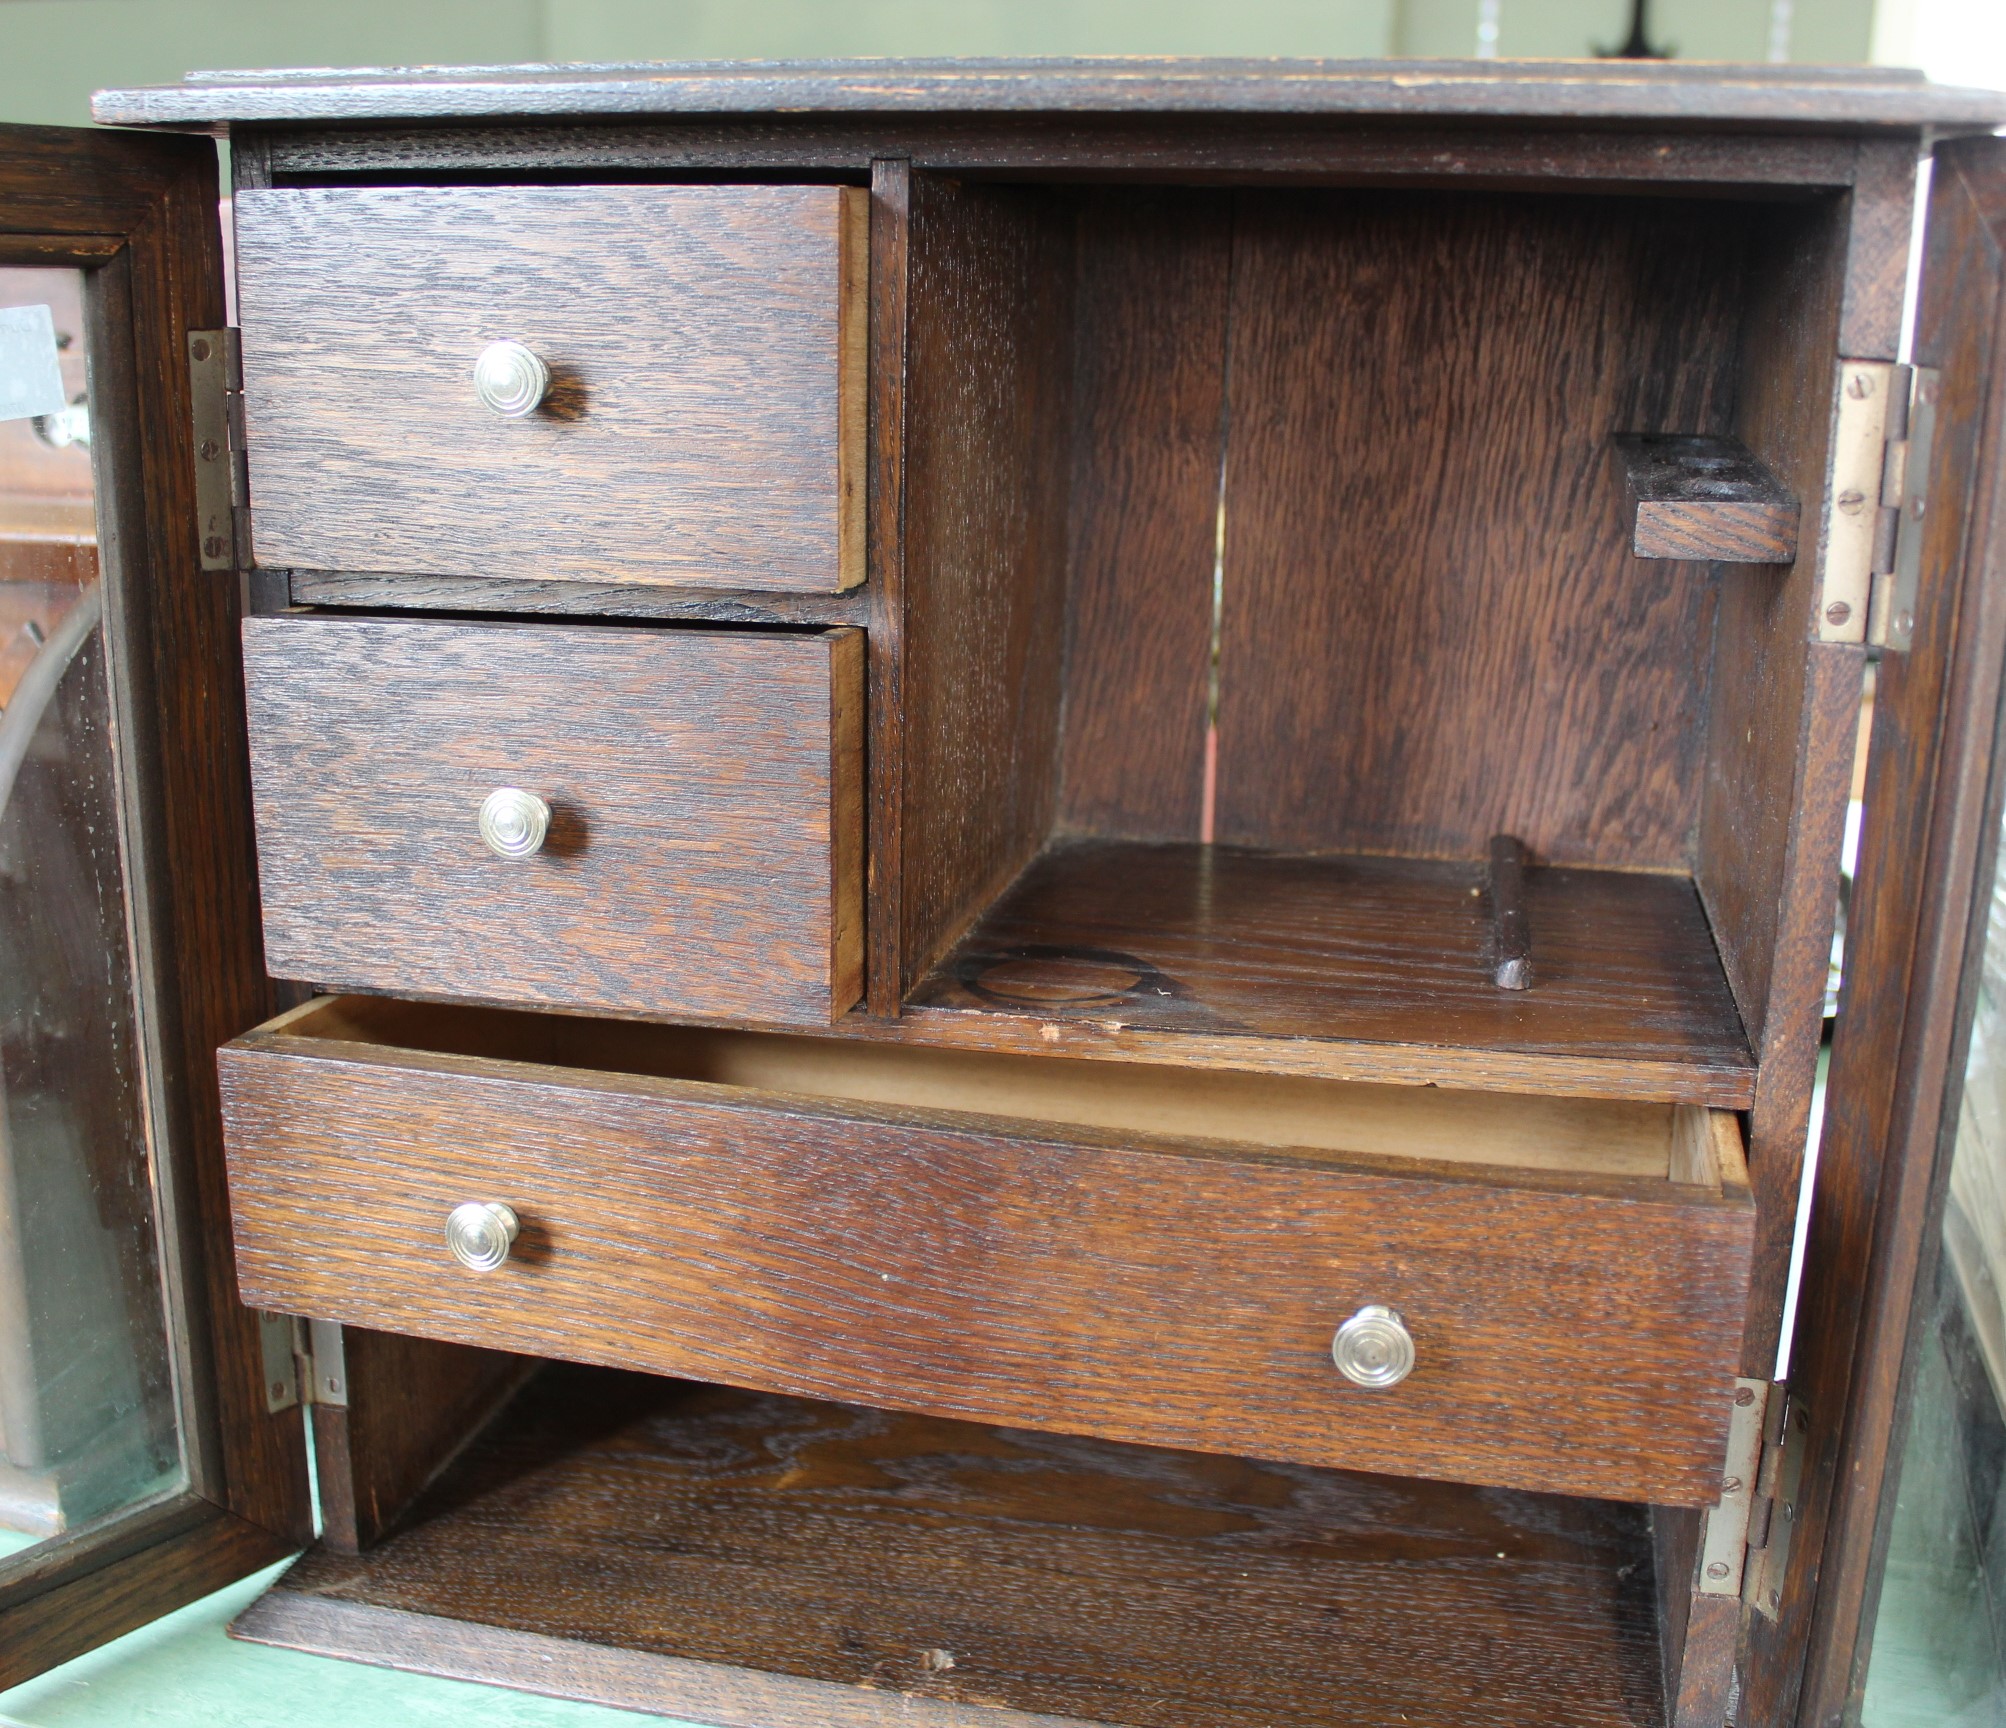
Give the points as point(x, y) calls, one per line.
point(222, 485)
point(1745, 1546)
point(304, 1362)
point(1883, 428)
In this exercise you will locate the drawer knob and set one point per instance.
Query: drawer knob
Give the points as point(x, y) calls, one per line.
point(514, 823)
point(1373, 1347)
point(510, 379)
point(481, 1233)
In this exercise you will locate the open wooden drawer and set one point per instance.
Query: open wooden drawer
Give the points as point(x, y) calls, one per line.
point(1133, 1253)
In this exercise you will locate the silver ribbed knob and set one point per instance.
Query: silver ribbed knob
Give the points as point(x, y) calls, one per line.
point(510, 379)
point(481, 1233)
point(514, 823)
point(1373, 1347)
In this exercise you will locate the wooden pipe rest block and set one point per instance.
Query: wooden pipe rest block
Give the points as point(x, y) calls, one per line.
point(1705, 498)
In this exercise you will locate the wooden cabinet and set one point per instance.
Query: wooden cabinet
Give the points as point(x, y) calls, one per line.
point(1172, 747)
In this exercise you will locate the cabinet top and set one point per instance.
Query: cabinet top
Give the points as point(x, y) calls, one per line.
point(1845, 98)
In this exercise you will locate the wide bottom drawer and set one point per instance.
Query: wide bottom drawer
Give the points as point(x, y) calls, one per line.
point(1139, 1254)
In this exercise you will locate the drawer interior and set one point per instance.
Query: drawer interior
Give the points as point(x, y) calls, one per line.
point(1304, 1117)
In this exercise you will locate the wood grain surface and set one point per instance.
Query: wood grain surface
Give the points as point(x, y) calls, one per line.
point(1419, 651)
point(704, 852)
point(1210, 950)
point(705, 422)
point(1705, 499)
point(1149, 433)
point(757, 1561)
point(987, 408)
point(1175, 1291)
point(1915, 922)
point(1166, 147)
point(1825, 97)
point(411, 1406)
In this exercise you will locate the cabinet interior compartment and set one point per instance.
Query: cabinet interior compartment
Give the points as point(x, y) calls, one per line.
point(1270, 553)
point(743, 1559)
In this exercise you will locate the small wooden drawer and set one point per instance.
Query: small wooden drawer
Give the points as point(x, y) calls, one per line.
point(702, 856)
point(1048, 1243)
point(703, 421)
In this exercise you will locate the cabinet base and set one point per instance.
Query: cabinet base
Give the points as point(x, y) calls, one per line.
point(732, 1558)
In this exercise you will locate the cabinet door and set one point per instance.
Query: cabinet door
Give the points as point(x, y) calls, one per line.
point(1914, 972)
point(150, 1435)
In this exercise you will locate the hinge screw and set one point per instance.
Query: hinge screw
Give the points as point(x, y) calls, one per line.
point(278, 1388)
point(1744, 1396)
point(1717, 1570)
point(1904, 622)
point(1731, 1486)
point(209, 450)
point(1838, 612)
point(1860, 386)
point(1852, 501)
point(199, 348)
point(213, 546)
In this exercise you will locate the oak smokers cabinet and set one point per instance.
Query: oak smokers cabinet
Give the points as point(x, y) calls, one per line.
point(1051, 853)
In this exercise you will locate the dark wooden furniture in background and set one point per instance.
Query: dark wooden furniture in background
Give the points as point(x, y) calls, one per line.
point(1328, 534)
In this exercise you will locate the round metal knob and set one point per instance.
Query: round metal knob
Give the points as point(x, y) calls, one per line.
point(1373, 1348)
point(514, 823)
point(481, 1233)
point(510, 379)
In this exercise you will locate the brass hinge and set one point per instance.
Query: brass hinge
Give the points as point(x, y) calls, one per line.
point(1745, 1545)
point(1778, 1497)
point(304, 1362)
point(222, 481)
point(1882, 430)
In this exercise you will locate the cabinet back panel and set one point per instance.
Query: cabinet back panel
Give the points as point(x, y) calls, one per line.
point(1430, 627)
point(1426, 551)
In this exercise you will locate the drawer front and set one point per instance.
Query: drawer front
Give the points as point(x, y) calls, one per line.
point(1565, 1341)
point(704, 421)
point(703, 852)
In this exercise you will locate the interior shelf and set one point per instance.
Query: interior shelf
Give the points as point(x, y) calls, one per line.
point(739, 1559)
point(1352, 967)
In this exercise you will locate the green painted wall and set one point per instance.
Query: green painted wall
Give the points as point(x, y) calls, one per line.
point(53, 53)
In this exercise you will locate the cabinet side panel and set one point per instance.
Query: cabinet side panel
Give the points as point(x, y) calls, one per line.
point(987, 411)
point(1781, 731)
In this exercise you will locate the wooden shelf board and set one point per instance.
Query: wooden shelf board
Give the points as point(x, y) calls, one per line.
point(1355, 968)
point(738, 1559)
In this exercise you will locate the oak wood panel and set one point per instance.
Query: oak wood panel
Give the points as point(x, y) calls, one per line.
point(1781, 733)
point(1212, 950)
point(758, 1561)
point(1706, 499)
point(394, 591)
point(698, 781)
point(1433, 630)
point(1176, 1292)
point(412, 1405)
point(1148, 440)
point(885, 594)
point(1181, 147)
point(1880, 224)
point(705, 422)
point(987, 411)
point(1826, 97)
point(1925, 868)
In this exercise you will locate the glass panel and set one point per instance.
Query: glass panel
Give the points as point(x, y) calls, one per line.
point(1939, 1641)
point(87, 1408)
